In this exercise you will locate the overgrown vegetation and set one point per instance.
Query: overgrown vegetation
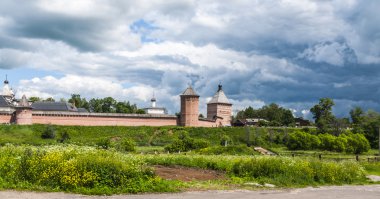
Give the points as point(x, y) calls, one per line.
point(96, 171)
point(281, 171)
point(77, 169)
point(185, 143)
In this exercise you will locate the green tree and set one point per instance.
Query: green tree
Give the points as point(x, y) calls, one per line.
point(49, 99)
point(357, 115)
point(35, 99)
point(109, 105)
point(95, 105)
point(78, 101)
point(322, 113)
point(370, 127)
point(249, 112)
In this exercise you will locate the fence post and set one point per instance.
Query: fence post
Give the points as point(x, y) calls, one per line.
point(320, 156)
point(357, 158)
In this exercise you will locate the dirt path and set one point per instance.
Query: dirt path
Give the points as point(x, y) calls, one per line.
point(187, 174)
point(343, 192)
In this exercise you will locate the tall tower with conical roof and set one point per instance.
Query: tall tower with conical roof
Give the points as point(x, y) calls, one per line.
point(189, 108)
point(219, 106)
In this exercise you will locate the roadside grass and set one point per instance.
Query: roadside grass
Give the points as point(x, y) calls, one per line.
point(283, 151)
point(372, 168)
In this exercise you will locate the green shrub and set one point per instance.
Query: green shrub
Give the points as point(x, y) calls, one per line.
point(104, 143)
point(186, 144)
point(302, 141)
point(357, 143)
point(327, 141)
point(64, 137)
point(225, 140)
point(126, 145)
point(339, 144)
point(48, 133)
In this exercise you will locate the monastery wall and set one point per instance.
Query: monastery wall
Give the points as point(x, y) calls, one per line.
point(102, 119)
point(5, 118)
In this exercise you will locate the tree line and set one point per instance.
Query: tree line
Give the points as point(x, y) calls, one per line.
point(360, 122)
point(97, 105)
point(273, 113)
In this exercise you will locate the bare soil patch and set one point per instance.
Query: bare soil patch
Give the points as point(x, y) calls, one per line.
point(187, 174)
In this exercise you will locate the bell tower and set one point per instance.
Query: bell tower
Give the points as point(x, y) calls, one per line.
point(189, 108)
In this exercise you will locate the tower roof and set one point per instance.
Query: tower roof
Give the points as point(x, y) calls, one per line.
point(219, 97)
point(190, 92)
point(24, 102)
point(6, 80)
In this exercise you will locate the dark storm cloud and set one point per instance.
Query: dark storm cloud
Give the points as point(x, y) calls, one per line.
point(291, 53)
point(79, 33)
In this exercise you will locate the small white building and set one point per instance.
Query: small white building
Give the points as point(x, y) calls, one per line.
point(153, 109)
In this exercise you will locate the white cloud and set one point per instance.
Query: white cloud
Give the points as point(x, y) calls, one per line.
point(333, 53)
point(251, 46)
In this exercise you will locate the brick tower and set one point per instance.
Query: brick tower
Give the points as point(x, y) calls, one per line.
point(23, 112)
point(219, 106)
point(189, 108)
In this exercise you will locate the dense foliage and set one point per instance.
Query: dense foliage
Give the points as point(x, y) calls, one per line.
point(348, 142)
point(98, 105)
point(185, 143)
point(366, 123)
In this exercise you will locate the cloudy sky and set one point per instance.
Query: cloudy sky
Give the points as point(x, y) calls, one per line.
point(290, 52)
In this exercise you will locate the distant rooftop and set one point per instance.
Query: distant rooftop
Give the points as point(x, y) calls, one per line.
point(219, 97)
point(53, 106)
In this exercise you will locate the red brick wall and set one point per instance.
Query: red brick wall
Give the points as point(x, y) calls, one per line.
point(103, 121)
point(5, 118)
point(209, 123)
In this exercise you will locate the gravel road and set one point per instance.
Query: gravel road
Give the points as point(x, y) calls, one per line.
point(336, 192)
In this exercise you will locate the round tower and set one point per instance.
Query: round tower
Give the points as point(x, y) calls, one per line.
point(23, 112)
point(189, 108)
point(219, 106)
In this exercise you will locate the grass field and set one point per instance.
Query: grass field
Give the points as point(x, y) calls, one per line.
point(90, 170)
point(29, 162)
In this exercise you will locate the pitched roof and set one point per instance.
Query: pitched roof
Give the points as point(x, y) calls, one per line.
point(190, 91)
point(3, 102)
point(53, 106)
point(219, 97)
point(83, 110)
